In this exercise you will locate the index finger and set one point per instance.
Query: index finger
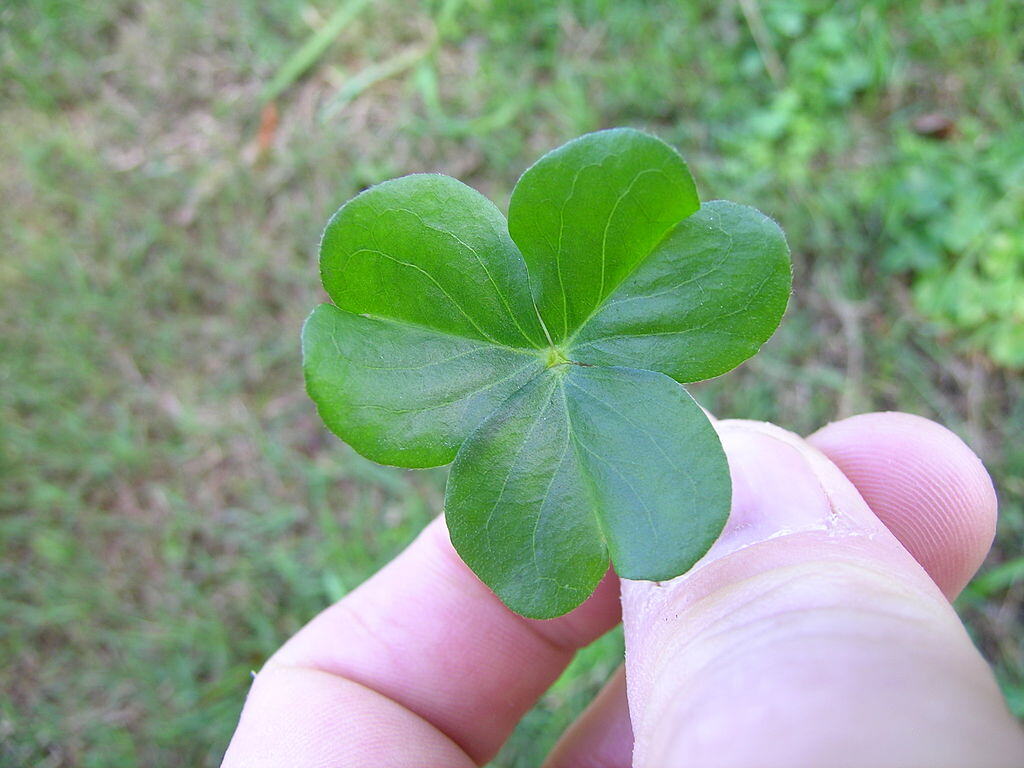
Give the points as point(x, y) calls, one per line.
point(426, 635)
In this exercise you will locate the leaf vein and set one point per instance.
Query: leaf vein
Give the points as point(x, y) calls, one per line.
point(483, 266)
point(434, 280)
point(512, 466)
point(442, 404)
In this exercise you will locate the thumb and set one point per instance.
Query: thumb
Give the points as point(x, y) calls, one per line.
point(807, 636)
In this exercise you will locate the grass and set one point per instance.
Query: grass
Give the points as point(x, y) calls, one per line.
point(170, 507)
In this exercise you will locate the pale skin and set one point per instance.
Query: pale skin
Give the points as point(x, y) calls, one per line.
point(817, 632)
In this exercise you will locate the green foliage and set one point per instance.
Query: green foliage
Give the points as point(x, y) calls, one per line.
point(955, 224)
point(580, 459)
point(171, 507)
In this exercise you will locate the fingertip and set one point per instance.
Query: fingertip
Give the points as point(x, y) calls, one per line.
point(924, 483)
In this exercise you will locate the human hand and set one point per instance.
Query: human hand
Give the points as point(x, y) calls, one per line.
point(816, 632)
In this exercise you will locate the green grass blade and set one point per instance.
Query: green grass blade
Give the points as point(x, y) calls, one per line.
point(311, 51)
point(370, 76)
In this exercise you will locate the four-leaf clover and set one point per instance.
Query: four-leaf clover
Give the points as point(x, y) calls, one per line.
point(545, 357)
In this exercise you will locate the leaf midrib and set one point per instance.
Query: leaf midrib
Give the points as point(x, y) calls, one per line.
point(486, 342)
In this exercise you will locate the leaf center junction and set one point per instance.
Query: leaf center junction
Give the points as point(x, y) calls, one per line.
point(555, 356)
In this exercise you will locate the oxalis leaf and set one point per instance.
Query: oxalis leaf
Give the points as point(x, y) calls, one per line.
point(545, 357)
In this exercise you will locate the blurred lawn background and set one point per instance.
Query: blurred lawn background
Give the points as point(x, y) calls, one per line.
point(170, 507)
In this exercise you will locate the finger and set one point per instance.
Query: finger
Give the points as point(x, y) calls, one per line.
point(924, 483)
point(807, 636)
point(601, 737)
point(301, 717)
point(423, 636)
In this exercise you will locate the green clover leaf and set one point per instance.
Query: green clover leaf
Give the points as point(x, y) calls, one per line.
point(544, 357)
